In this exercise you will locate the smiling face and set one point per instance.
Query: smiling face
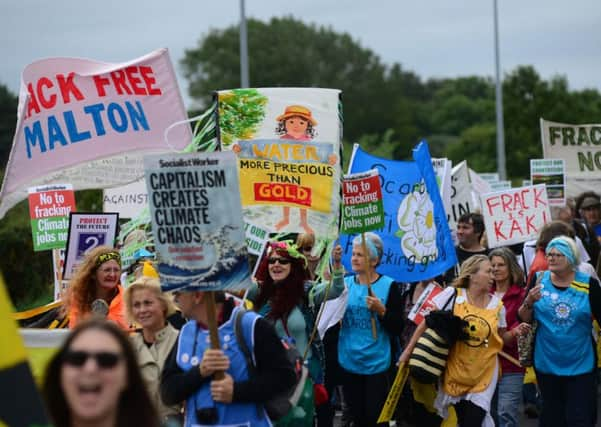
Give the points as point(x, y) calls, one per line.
point(148, 310)
point(279, 267)
point(483, 279)
point(500, 269)
point(108, 274)
point(557, 262)
point(92, 391)
point(296, 126)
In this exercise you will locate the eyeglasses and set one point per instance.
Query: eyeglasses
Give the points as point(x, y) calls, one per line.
point(281, 261)
point(107, 270)
point(555, 255)
point(307, 249)
point(103, 359)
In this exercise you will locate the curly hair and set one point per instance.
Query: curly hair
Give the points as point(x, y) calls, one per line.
point(134, 402)
point(469, 267)
point(82, 287)
point(282, 297)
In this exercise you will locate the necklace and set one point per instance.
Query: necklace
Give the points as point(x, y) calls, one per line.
point(481, 302)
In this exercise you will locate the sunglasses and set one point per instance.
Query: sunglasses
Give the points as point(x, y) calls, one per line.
point(103, 359)
point(307, 249)
point(281, 261)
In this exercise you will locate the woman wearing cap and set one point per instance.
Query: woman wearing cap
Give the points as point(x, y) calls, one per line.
point(587, 223)
point(365, 358)
point(564, 302)
point(95, 288)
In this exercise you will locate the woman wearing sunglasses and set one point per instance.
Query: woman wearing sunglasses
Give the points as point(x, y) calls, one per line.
point(93, 380)
point(564, 302)
point(149, 307)
point(285, 296)
point(95, 288)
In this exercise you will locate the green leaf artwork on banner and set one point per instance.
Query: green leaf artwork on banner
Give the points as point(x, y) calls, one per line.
point(241, 112)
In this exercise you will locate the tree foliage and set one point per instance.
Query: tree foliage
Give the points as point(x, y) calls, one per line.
point(389, 109)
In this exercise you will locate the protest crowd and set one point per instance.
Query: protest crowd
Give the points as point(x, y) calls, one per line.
point(179, 379)
point(476, 318)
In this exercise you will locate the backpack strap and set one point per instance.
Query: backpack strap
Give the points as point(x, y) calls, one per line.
point(242, 342)
point(451, 298)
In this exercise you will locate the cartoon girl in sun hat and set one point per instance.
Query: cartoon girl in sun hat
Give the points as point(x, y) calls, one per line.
point(297, 123)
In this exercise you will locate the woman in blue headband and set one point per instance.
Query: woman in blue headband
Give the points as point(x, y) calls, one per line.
point(564, 301)
point(365, 358)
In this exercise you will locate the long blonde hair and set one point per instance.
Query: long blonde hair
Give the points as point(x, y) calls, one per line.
point(468, 267)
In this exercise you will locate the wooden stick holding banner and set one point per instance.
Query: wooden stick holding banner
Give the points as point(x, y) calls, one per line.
point(374, 331)
point(394, 394)
point(200, 237)
point(363, 210)
point(209, 301)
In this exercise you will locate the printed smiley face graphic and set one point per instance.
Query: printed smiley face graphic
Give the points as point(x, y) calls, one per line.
point(478, 330)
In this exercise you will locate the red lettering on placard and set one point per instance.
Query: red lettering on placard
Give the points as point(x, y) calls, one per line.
point(537, 197)
point(147, 75)
point(33, 102)
point(119, 82)
point(134, 80)
point(100, 82)
point(67, 87)
point(45, 102)
point(278, 192)
point(131, 80)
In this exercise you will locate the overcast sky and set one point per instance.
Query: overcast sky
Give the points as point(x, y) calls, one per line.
point(434, 38)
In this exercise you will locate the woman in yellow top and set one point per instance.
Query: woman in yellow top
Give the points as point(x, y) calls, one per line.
point(471, 374)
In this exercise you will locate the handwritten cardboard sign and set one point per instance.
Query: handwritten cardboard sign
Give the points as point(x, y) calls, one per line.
point(515, 215)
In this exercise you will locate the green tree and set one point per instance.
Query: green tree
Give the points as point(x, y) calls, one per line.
point(527, 98)
point(8, 120)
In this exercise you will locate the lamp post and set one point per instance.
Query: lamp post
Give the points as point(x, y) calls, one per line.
point(244, 79)
point(499, 103)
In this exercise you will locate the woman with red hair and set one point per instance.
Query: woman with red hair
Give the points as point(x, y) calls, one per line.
point(284, 296)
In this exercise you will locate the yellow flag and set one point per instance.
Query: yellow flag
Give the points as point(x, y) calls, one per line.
point(20, 403)
point(395, 392)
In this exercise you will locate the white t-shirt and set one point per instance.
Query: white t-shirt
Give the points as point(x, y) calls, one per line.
point(441, 299)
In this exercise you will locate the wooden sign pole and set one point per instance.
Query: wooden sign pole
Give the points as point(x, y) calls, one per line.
point(212, 324)
point(374, 332)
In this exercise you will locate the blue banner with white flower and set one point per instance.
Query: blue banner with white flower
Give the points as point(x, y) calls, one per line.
point(416, 236)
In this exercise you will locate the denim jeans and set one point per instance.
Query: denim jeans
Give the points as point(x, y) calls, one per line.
point(509, 397)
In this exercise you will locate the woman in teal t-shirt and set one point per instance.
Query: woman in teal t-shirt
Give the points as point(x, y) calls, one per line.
point(366, 358)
